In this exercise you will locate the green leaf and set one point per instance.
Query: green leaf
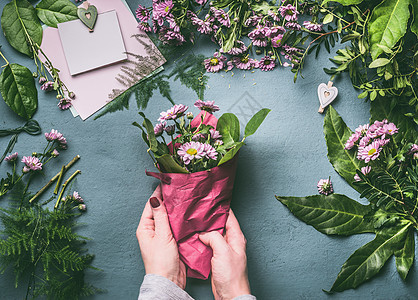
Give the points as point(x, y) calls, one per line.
point(169, 165)
point(388, 24)
point(414, 24)
point(231, 153)
point(52, 12)
point(18, 17)
point(344, 2)
point(380, 62)
point(332, 214)
point(405, 256)
point(328, 19)
point(336, 135)
point(153, 144)
point(17, 86)
point(367, 261)
point(228, 126)
point(256, 121)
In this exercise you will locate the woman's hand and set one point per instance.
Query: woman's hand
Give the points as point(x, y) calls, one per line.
point(158, 248)
point(229, 261)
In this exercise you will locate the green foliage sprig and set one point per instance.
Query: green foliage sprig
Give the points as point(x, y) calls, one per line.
point(391, 188)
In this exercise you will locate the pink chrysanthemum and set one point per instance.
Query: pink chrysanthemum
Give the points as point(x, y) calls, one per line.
point(221, 16)
point(390, 129)
point(64, 103)
point(365, 170)
point(161, 10)
point(82, 207)
point(243, 62)
point(208, 106)
point(289, 12)
point(218, 142)
point(47, 86)
point(273, 15)
point(11, 157)
point(210, 152)
point(266, 63)
point(276, 42)
point(173, 113)
point(190, 151)
point(293, 25)
point(259, 36)
point(216, 63)
point(413, 149)
point(312, 26)
point(142, 13)
point(214, 134)
point(77, 197)
point(352, 140)
point(159, 128)
point(55, 153)
point(143, 26)
point(369, 152)
point(325, 187)
point(202, 26)
point(32, 163)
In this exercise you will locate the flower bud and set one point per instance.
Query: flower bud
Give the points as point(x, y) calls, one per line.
point(236, 20)
point(258, 51)
point(42, 80)
point(25, 169)
point(189, 115)
point(55, 153)
point(71, 95)
point(270, 53)
point(35, 75)
point(82, 207)
point(59, 97)
point(34, 154)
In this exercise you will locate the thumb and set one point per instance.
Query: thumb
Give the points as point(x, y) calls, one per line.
point(216, 241)
point(162, 226)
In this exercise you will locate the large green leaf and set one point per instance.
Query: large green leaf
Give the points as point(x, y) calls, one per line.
point(169, 165)
point(52, 12)
point(228, 126)
point(414, 24)
point(388, 24)
point(344, 2)
point(17, 86)
point(231, 153)
point(405, 255)
point(332, 214)
point(256, 121)
point(367, 261)
point(18, 18)
point(153, 143)
point(336, 135)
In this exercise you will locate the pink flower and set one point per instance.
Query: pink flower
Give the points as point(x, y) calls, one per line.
point(390, 129)
point(214, 134)
point(238, 48)
point(47, 86)
point(82, 207)
point(352, 140)
point(208, 106)
point(221, 16)
point(312, 26)
point(11, 157)
point(202, 26)
point(210, 152)
point(32, 163)
point(173, 113)
point(369, 152)
point(142, 13)
point(413, 149)
point(277, 41)
point(325, 187)
point(190, 151)
point(215, 63)
point(266, 63)
point(365, 170)
point(293, 25)
point(273, 15)
point(218, 143)
point(162, 9)
point(77, 197)
point(55, 153)
point(199, 136)
point(259, 36)
point(170, 130)
point(243, 62)
point(64, 103)
point(289, 12)
point(143, 26)
point(159, 128)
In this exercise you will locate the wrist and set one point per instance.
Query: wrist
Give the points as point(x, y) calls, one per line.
point(239, 289)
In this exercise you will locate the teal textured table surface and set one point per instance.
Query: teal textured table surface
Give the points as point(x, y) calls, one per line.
point(287, 259)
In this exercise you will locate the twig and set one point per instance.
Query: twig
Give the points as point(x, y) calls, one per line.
point(59, 180)
point(69, 165)
point(65, 185)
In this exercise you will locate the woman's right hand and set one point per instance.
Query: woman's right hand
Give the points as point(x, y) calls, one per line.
point(229, 261)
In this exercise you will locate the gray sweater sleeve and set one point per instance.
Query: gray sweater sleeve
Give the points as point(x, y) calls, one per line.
point(158, 287)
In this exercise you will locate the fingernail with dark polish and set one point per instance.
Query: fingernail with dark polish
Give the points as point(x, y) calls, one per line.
point(154, 202)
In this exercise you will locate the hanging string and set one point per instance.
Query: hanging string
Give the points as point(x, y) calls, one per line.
point(31, 127)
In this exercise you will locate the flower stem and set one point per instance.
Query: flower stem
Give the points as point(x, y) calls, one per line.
point(64, 186)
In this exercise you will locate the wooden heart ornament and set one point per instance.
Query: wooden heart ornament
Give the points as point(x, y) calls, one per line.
point(88, 15)
point(326, 94)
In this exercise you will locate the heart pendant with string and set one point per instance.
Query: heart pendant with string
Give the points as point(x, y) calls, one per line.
point(87, 15)
point(326, 94)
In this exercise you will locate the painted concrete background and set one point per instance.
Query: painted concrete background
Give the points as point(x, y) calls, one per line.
point(287, 259)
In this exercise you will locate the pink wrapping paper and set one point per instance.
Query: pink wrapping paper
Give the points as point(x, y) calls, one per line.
point(197, 202)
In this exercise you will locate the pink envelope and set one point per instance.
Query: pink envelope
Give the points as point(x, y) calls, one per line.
point(198, 202)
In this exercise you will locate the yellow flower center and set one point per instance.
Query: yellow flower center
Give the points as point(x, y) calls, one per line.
point(167, 8)
point(191, 151)
point(244, 59)
point(214, 61)
point(371, 151)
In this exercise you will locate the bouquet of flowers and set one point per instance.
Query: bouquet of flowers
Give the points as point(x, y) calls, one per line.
point(379, 160)
point(197, 160)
